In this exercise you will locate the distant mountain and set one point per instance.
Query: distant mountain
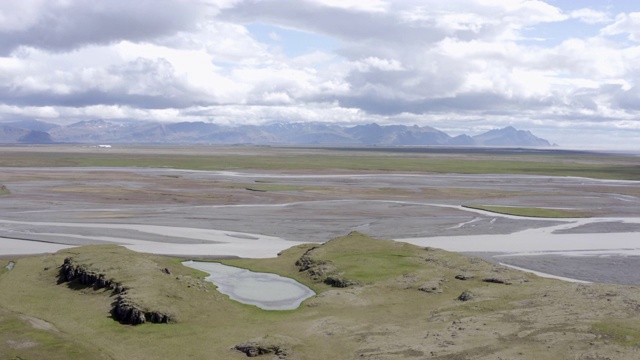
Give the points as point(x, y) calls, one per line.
point(16, 135)
point(33, 125)
point(89, 131)
point(302, 133)
point(509, 136)
point(374, 134)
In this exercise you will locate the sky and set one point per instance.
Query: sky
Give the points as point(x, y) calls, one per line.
point(566, 70)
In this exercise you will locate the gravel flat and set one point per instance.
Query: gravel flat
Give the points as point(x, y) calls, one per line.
point(219, 213)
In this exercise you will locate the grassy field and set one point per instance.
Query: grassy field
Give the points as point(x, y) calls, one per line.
point(532, 212)
point(4, 190)
point(591, 165)
point(386, 316)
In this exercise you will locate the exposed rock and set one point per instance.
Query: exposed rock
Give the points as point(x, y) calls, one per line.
point(252, 349)
point(464, 277)
point(124, 311)
point(305, 262)
point(339, 282)
point(166, 271)
point(465, 296)
point(497, 280)
point(431, 287)
point(127, 312)
point(269, 345)
point(317, 269)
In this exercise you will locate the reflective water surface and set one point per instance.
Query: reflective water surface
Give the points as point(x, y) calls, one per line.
point(264, 290)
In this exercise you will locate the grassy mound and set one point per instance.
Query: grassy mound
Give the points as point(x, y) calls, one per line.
point(403, 302)
point(4, 190)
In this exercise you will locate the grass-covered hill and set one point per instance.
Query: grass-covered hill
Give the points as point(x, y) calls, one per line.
point(375, 299)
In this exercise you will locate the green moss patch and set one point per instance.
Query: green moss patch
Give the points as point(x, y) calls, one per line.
point(624, 332)
point(531, 211)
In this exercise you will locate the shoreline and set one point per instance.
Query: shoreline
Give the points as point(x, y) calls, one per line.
point(517, 250)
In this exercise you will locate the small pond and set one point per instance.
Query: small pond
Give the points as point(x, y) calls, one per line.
point(10, 265)
point(264, 290)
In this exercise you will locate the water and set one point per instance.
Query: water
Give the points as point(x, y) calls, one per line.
point(264, 290)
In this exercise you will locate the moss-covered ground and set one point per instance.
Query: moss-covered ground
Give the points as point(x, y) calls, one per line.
point(558, 163)
point(386, 316)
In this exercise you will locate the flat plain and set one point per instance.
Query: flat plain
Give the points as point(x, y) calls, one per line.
point(248, 204)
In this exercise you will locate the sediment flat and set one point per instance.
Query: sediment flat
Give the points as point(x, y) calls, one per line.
point(216, 213)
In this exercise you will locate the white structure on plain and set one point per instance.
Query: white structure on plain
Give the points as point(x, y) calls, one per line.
point(104, 146)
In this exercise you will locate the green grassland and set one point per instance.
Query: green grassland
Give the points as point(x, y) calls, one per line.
point(591, 165)
point(532, 212)
point(386, 316)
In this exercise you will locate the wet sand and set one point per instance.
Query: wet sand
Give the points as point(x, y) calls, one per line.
point(211, 213)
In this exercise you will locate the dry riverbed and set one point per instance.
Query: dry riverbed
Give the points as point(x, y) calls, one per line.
point(258, 213)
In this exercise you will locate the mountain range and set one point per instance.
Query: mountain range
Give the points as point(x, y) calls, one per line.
point(105, 132)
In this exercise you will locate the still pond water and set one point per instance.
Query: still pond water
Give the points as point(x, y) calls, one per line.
point(264, 290)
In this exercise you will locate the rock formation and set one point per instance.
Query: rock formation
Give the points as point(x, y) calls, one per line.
point(433, 286)
point(465, 296)
point(276, 346)
point(339, 282)
point(319, 270)
point(124, 310)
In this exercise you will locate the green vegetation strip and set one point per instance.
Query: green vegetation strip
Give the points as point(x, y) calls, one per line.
point(591, 166)
point(530, 212)
point(624, 332)
point(4, 190)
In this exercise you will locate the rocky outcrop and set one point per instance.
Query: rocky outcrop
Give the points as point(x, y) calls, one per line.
point(252, 349)
point(496, 280)
point(70, 272)
point(127, 312)
point(433, 286)
point(464, 277)
point(465, 296)
point(124, 310)
point(276, 346)
point(339, 282)
point(319, 270)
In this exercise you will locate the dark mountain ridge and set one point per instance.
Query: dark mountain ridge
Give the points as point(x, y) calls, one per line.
point(301, 133)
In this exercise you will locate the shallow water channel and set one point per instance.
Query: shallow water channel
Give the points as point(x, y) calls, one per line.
point(264, 290)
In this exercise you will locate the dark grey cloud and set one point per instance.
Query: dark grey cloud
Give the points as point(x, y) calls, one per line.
point(627, 99)
point(142, 83)
point(97, 97)
point(471, 102)
point(57, 27)
point(344, 24)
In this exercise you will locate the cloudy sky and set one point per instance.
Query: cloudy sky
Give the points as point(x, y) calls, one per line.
point(567, 70)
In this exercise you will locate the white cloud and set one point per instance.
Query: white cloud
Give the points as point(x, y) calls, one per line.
point(375, 63)
point(625, 24)
point(451, 64)
point(359, 5)
point(590, 16)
